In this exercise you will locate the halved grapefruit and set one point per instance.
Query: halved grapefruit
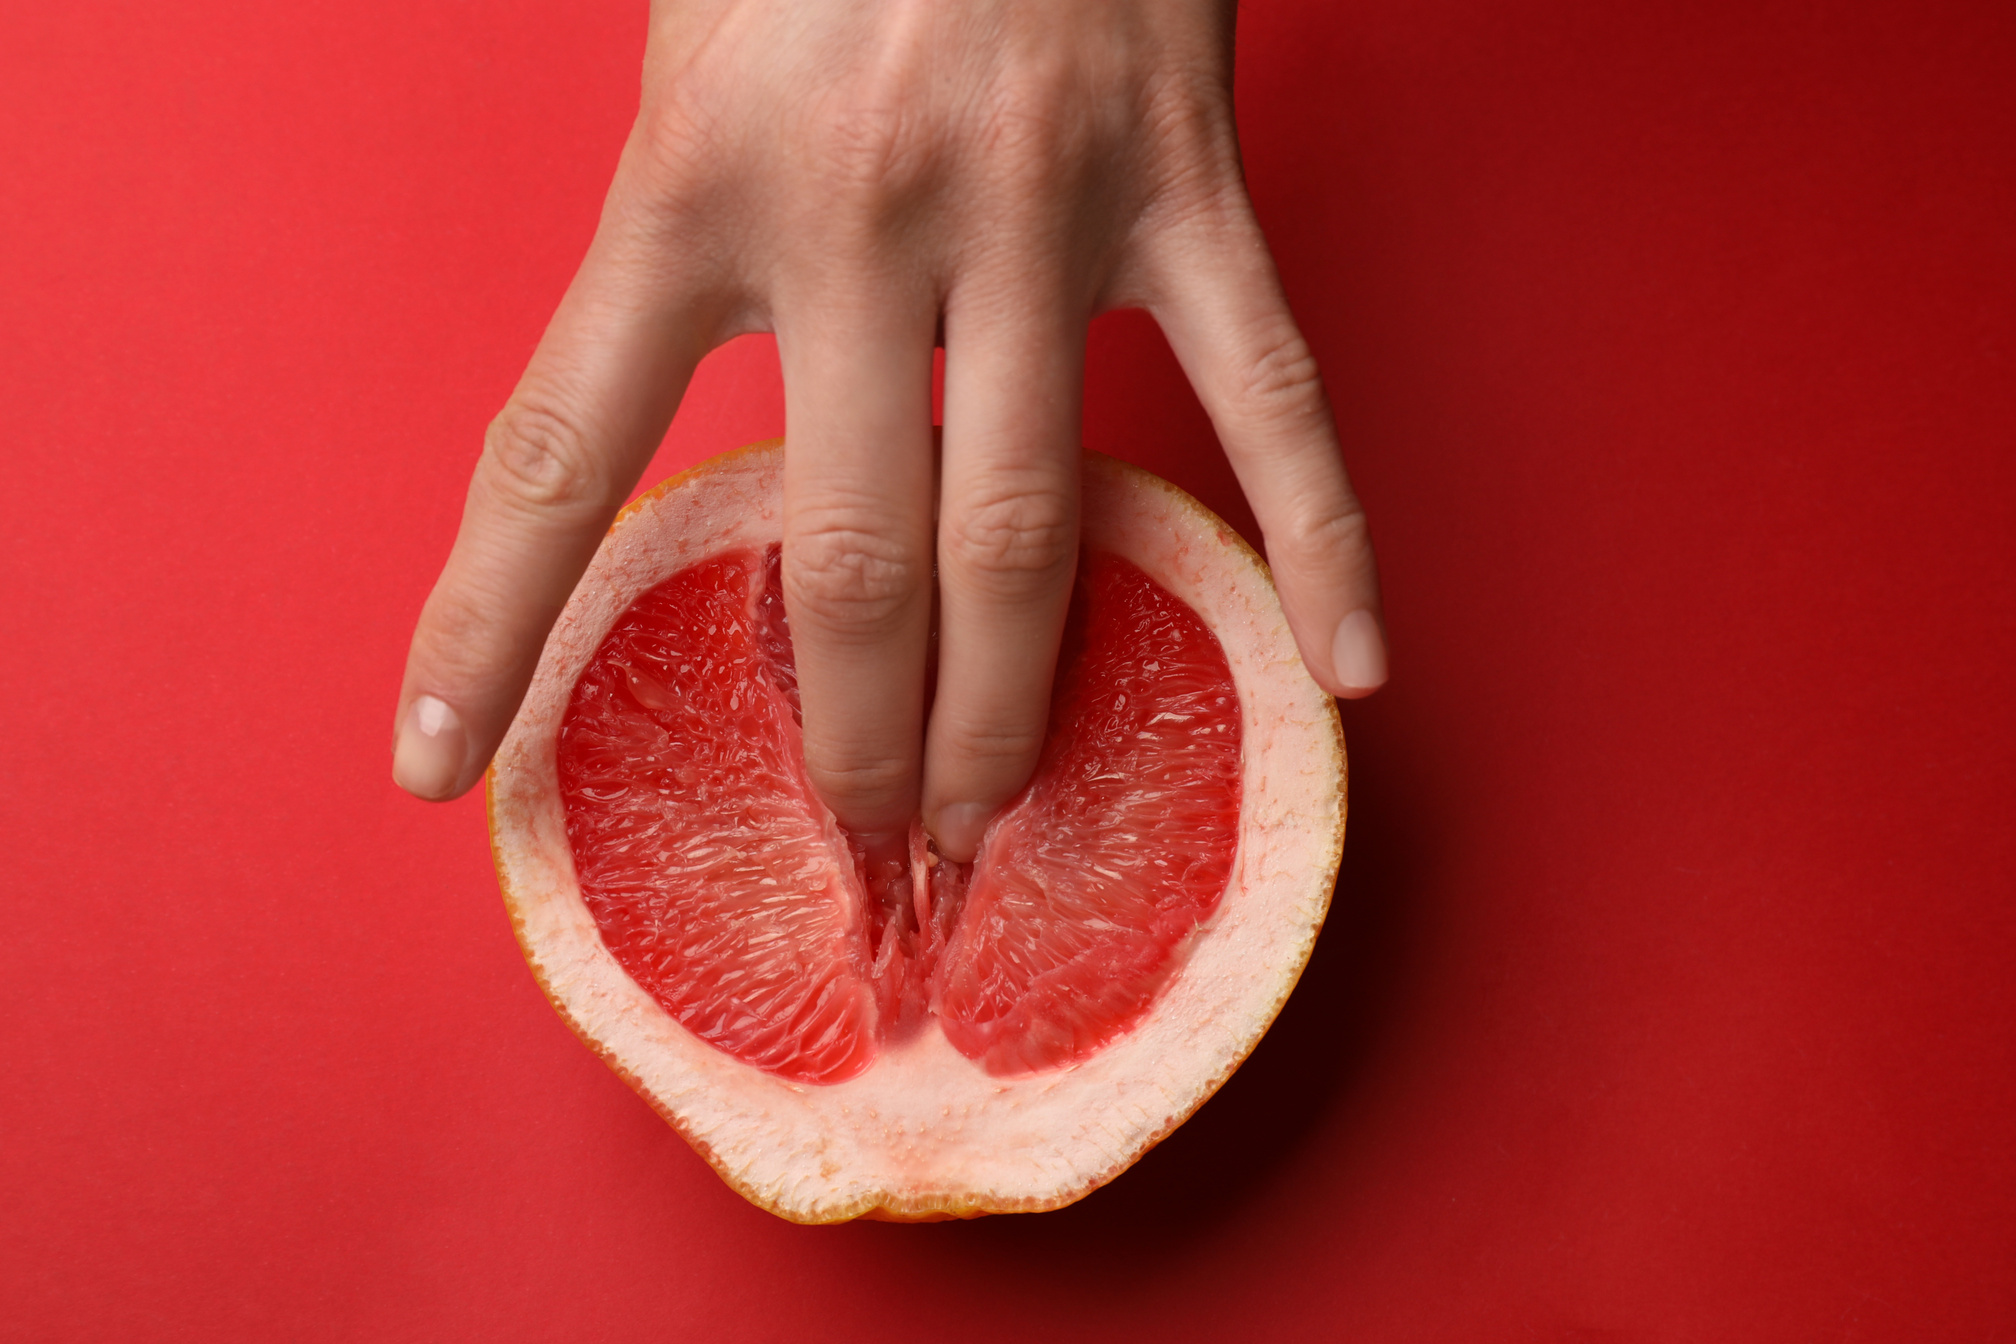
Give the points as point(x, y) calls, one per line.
point(841, 1038)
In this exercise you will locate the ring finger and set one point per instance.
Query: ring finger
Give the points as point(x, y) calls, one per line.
point(1007, 550)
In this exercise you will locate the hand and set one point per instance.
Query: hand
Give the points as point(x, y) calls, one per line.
point(866, 180)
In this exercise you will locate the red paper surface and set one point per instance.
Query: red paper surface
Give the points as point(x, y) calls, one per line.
point(1667, 995)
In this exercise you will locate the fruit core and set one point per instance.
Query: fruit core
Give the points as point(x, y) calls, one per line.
point(724, 887)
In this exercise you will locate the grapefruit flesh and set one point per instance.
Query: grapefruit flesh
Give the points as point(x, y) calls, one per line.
point(722, 885)
point(909, 1038)
point(1086, 889)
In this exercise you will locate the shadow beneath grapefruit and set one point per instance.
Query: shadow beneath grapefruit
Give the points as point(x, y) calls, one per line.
point(1290, 1093)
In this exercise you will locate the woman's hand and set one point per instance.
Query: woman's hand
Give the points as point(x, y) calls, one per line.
point(869, 179)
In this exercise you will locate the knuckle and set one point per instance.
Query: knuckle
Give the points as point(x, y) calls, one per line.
point(1324, 542)
point(866, 151)
point(848, 577)
point(691, 112)
point(1025, 131)
point(1017, 538)
point(1188, 121)
point(999, 748)
point(864, 784)
point(1186, 115)
point(1277, 379)
point(674, 144)
point(539, 457)
point(460, 628)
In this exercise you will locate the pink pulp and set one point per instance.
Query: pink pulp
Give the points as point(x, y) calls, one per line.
point(723, 886)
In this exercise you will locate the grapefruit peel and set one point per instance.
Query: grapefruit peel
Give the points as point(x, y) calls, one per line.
point(925, 1133)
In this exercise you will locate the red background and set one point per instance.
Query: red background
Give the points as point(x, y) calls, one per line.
point(1667, 995)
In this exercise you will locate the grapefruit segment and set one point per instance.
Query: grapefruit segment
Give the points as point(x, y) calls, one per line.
point(1087, 886)
point(716, 877)
point(722, 885)
point(918, 1040)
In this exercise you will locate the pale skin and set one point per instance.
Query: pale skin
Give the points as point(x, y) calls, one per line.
point(869, 179)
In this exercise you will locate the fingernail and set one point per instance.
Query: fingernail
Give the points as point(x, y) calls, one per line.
point(960, 826)
point(1358, 655)
point(432, 747)
point(885, 849)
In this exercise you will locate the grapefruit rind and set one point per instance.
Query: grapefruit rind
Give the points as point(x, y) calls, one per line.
point(925, 1133)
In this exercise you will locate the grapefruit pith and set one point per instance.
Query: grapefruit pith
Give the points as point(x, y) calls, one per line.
point(843, 1037)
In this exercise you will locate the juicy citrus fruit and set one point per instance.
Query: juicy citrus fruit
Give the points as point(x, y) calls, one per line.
point(722, 886)
point(843, 1037)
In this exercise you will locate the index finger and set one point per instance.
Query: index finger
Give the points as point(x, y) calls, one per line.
point(557, 463)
